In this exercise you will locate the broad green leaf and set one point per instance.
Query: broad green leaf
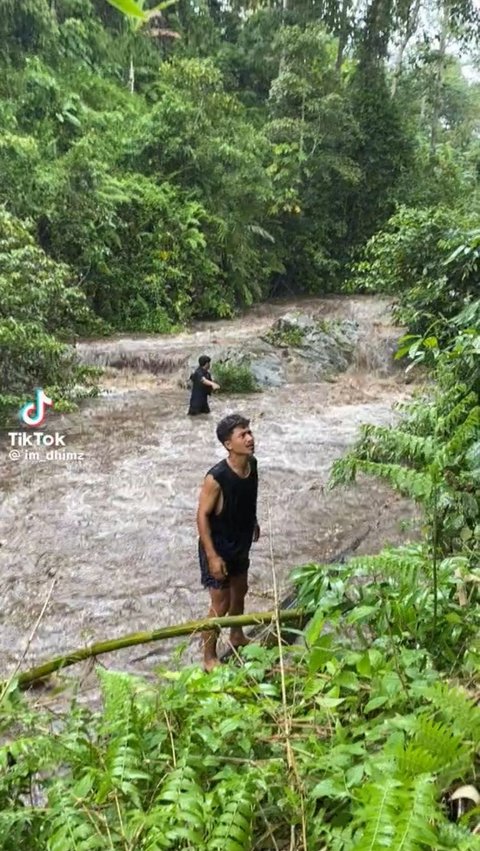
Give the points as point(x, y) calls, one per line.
point(160, 7)
point(363, 666)
point(331, 787)
point(375, 703)
point(314, 627)
point(129, 8)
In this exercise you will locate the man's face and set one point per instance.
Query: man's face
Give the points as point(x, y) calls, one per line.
point(241, 441)
point(206, 366)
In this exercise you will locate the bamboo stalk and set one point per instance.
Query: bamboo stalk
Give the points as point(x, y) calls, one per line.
point(110, 645)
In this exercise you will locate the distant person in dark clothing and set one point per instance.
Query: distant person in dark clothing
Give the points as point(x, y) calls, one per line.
point(227, 526)
point(202, 386)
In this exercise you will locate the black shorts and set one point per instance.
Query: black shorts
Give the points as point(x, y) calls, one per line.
point(235, 567)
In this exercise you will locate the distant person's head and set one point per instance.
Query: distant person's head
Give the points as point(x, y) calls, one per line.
point(204, 361)
point(235, 434)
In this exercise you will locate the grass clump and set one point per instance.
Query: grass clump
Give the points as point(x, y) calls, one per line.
point(285, 337)
point(235, 378)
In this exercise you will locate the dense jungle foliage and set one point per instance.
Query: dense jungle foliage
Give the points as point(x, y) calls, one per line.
point(208, 155)
point(184, 166)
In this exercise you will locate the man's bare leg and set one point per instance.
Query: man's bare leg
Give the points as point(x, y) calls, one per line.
point(238, 591)
point(219, 605)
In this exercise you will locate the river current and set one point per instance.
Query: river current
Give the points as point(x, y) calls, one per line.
point(116, 529)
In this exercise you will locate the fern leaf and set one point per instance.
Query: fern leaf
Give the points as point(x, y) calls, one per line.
point(388, 444)
point(73, 830)
point(399, 562)
point(446, 423)
point(183, 803)
point(410, 482)
point(233, 831)
point(457, 709)
point(412, 827)
point(377, 815)
point(396, 816)
point(438, 740)
point(464, 434)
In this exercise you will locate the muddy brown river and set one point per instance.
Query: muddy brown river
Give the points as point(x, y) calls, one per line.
point(117, 528)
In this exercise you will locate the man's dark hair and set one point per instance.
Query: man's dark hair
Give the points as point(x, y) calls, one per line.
point(203, 360)
point(229, 424)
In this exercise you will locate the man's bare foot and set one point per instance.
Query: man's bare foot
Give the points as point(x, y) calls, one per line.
point(239, 640)
point(210, 664)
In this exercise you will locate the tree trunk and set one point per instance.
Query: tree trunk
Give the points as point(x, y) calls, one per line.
point(131, 76)
point(410, 27)
point(437, 93)
point(343, 34)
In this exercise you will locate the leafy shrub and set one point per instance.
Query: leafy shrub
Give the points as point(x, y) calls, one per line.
point(39, 307)
point(429, 260)
point(285, 337)
point(348, 741)
point(235, 378)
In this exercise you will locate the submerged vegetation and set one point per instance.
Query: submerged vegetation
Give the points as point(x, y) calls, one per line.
point(235, 377)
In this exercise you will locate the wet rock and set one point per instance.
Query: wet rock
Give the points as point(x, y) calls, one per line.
point(268, 371)
point(298, 347)
point(328, 345)
point(260, 357)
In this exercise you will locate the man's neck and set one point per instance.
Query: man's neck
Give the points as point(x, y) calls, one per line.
point(239, 463)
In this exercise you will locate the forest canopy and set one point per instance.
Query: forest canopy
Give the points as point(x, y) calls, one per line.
point(213, 155)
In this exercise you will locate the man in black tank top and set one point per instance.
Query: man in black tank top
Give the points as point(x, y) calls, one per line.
point(227, 525)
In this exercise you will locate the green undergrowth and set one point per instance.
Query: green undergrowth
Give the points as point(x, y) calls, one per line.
point(353, 739)
point(235, 378)
point(286, 337)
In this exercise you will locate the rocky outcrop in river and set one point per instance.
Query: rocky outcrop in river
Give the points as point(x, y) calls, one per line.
point(298, 347)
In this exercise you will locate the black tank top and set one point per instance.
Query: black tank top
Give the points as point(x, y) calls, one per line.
point(232, 529)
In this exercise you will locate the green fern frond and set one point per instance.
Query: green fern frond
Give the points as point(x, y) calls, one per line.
point(395, 562)
point(438, 739)
point(457, 709)
point(233, 831)
point(380, 443)
point(409, 482)
point(433, 748)
point(412, 827)
point(414, 760)
point(396, 816)
point(343, 471)
point(181, 803)
point(124, 768)
point(70, 828)
point(463, 436)
point(118, 696)
point(456, 409)
point(457, 838)
point(377, 815)
point(421, 417)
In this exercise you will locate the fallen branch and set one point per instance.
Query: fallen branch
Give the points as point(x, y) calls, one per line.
point(41, 671)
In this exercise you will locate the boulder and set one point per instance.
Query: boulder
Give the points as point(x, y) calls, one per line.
point(298, 347)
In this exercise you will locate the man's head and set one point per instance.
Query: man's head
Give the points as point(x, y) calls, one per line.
point(236, 435)
point(204, 361)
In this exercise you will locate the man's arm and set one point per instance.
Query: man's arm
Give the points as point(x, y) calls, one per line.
point(256, 528)
point(212, 384)
point(209, 496)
